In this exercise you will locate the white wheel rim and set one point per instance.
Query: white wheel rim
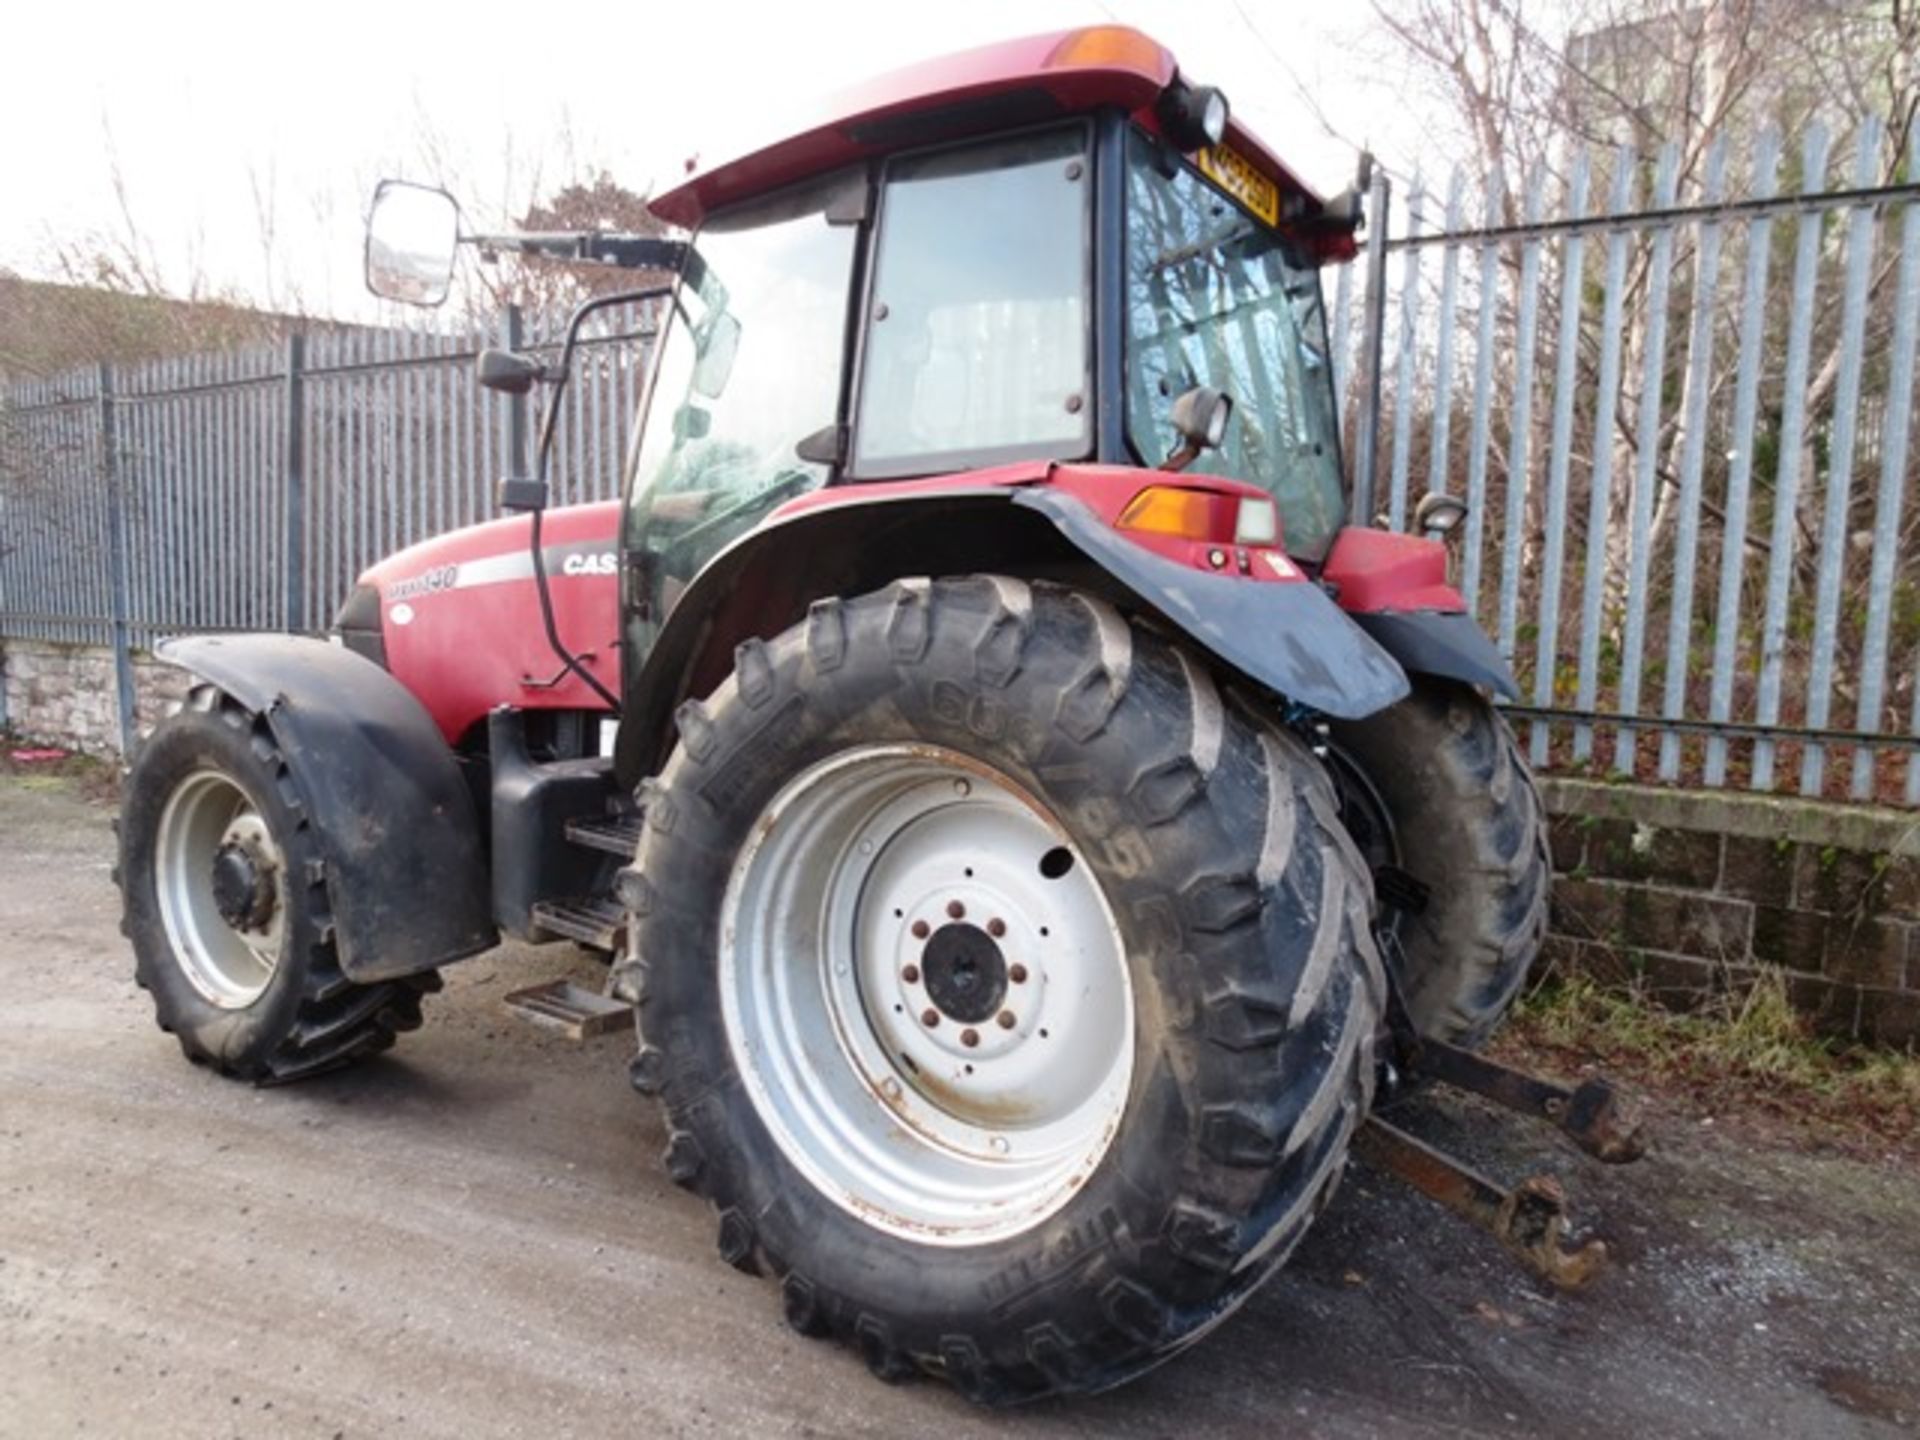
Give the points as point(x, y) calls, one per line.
point(230, 963)
point(896, 885)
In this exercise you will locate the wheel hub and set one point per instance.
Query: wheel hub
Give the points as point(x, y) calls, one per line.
point(965, 973)
point(909, 903)
point(242, 887)
point(218, 875)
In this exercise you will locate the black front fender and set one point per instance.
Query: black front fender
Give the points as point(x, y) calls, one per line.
point(407, 878)
point(1290, 638)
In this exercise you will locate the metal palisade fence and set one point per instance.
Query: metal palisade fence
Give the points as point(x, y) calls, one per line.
point(1680, 411)
point(247, 490)
point(1678, 405)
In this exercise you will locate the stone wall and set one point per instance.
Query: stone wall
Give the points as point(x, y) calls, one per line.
point(66, 695)
point(1691, 892)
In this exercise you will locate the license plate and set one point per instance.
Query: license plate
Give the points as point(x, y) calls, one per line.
point(1233, 174)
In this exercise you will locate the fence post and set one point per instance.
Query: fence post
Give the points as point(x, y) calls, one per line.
point(1373, 353)
point(512, 336)
point(116, 562)
point(294, 473)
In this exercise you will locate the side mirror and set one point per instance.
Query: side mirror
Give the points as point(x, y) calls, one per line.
point(1200, 418)
point(411, 234)
point(1437, 516)
point(718, 347)
point(507, 371)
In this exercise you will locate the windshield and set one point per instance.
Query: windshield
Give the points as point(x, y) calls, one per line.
point(1215, 298)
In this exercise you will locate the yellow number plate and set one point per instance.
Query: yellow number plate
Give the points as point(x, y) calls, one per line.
point(1239, 179)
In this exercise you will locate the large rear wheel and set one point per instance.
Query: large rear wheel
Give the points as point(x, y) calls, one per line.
point(1010, 990)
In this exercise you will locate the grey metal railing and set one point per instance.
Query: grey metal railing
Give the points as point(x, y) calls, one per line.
point(1679, 407)
point(1693, 519)
point(246, 490)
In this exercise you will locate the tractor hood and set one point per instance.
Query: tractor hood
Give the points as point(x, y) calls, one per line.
point(459, 615)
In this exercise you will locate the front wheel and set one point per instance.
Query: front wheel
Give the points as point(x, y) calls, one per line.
point(225, 901)
point(1009, 988)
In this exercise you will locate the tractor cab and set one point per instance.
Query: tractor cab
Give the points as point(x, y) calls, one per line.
point(1052, 264)
point(1029, 255)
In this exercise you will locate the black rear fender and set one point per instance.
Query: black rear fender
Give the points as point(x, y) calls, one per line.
point(406, 873)
point(1288, 637)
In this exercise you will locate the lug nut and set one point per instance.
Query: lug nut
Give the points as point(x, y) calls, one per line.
point(996, 927)
point(955, 909)
point(1005, 1019)
point(911, 974)
point(969, 1037)
point(1017, 973)
point(921, 930)
point(929, 1017)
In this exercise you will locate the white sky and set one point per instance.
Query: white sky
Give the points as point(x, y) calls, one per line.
point(248, 136)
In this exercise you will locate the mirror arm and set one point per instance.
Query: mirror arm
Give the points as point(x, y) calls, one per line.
point(596, 247)
point(565, 368)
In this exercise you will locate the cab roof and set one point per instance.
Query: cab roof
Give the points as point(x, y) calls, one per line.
point(995, 87)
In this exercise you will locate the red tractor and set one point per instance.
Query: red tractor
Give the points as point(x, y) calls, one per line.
point(1040, 827)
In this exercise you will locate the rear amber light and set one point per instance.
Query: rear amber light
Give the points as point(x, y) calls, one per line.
point(1169, 510)
point(1111, 47)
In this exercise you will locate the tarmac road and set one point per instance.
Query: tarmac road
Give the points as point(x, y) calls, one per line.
point(474, 1237)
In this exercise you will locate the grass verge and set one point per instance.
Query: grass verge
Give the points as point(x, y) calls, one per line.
point(1745, 1056)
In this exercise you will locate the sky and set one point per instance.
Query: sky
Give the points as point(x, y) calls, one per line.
point(242, 141)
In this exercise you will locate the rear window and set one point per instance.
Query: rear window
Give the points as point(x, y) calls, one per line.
point(976, 337)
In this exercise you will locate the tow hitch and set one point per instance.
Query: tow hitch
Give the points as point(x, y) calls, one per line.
point(1530, 1220)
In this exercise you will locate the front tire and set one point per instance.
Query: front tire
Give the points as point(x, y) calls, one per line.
point(224, 897)
point(905, 799)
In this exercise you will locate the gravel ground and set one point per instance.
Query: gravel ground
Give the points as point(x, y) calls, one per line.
point(473, 1237)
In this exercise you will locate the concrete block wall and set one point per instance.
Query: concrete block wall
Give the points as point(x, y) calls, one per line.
point(65, 694)
point(1691, 892)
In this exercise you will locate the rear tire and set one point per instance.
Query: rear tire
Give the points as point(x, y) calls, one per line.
point(1088, 749)
point(1467, 823)
point(224, 897)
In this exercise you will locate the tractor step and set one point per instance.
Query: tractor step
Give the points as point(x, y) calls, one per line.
point(615, 834)
point(599, 923)
point(575, 1011)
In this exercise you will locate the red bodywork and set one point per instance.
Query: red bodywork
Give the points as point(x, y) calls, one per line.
point(975, 91)
point(460, 615)
point(1106, 490)
point(1379, 570)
